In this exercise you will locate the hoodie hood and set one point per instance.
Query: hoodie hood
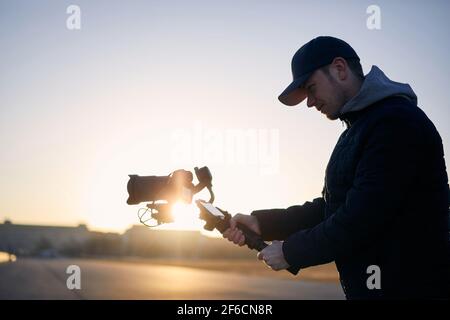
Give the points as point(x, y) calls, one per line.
point(377, 86)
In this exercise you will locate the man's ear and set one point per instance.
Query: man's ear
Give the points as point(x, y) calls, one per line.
point(340, 67)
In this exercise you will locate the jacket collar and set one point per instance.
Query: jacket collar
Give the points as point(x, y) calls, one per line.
point(350, 118)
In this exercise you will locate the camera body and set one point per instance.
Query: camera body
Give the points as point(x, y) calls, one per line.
point(163, 191)
point(176, 186)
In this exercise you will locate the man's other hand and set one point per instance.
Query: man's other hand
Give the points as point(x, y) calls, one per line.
point(273, 256)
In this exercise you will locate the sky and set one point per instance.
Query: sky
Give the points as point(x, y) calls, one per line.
point(148, 87)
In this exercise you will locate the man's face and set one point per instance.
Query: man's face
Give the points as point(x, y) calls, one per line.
point(325, 93)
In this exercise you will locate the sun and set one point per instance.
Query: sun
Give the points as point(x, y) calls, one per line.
point(186, 217)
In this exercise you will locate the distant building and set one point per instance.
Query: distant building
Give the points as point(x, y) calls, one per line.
point(30, 239)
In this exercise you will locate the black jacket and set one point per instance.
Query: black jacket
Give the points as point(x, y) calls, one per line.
point(384, 203)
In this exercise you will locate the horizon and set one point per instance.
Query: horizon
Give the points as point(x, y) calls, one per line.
point(213, 234)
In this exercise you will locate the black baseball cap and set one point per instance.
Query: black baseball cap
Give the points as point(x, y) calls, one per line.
point(315, 54)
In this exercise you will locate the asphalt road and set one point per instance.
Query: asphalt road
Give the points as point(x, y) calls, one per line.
point(46, 279)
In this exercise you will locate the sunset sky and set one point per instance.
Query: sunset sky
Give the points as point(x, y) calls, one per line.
point(148, 87)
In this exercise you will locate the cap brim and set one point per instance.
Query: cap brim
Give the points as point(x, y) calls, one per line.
point(294, 93)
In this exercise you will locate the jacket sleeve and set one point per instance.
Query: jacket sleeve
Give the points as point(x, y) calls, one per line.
point(278, 224)
point(386, 168)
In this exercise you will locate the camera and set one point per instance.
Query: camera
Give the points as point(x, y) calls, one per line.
point(163, 191)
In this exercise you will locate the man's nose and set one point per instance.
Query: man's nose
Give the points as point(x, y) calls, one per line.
point(310, 102)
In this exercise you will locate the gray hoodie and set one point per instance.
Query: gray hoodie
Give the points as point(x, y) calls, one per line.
point(376, 87)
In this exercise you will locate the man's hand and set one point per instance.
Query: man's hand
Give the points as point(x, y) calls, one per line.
point(234, 234)
point(273, 256)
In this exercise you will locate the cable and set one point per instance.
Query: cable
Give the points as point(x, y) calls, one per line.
point(144, 221)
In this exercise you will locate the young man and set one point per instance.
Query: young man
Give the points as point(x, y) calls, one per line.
point(384, 205)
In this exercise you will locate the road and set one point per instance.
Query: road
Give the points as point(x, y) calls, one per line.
point(46, 279)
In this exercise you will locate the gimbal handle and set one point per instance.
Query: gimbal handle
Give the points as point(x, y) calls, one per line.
point(252, 239)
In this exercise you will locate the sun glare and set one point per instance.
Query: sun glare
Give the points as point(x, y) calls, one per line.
point(185, 216)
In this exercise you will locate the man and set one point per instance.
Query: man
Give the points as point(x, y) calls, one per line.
point(384, 205)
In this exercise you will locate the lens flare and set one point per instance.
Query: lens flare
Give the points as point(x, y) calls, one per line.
point(185, 215)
